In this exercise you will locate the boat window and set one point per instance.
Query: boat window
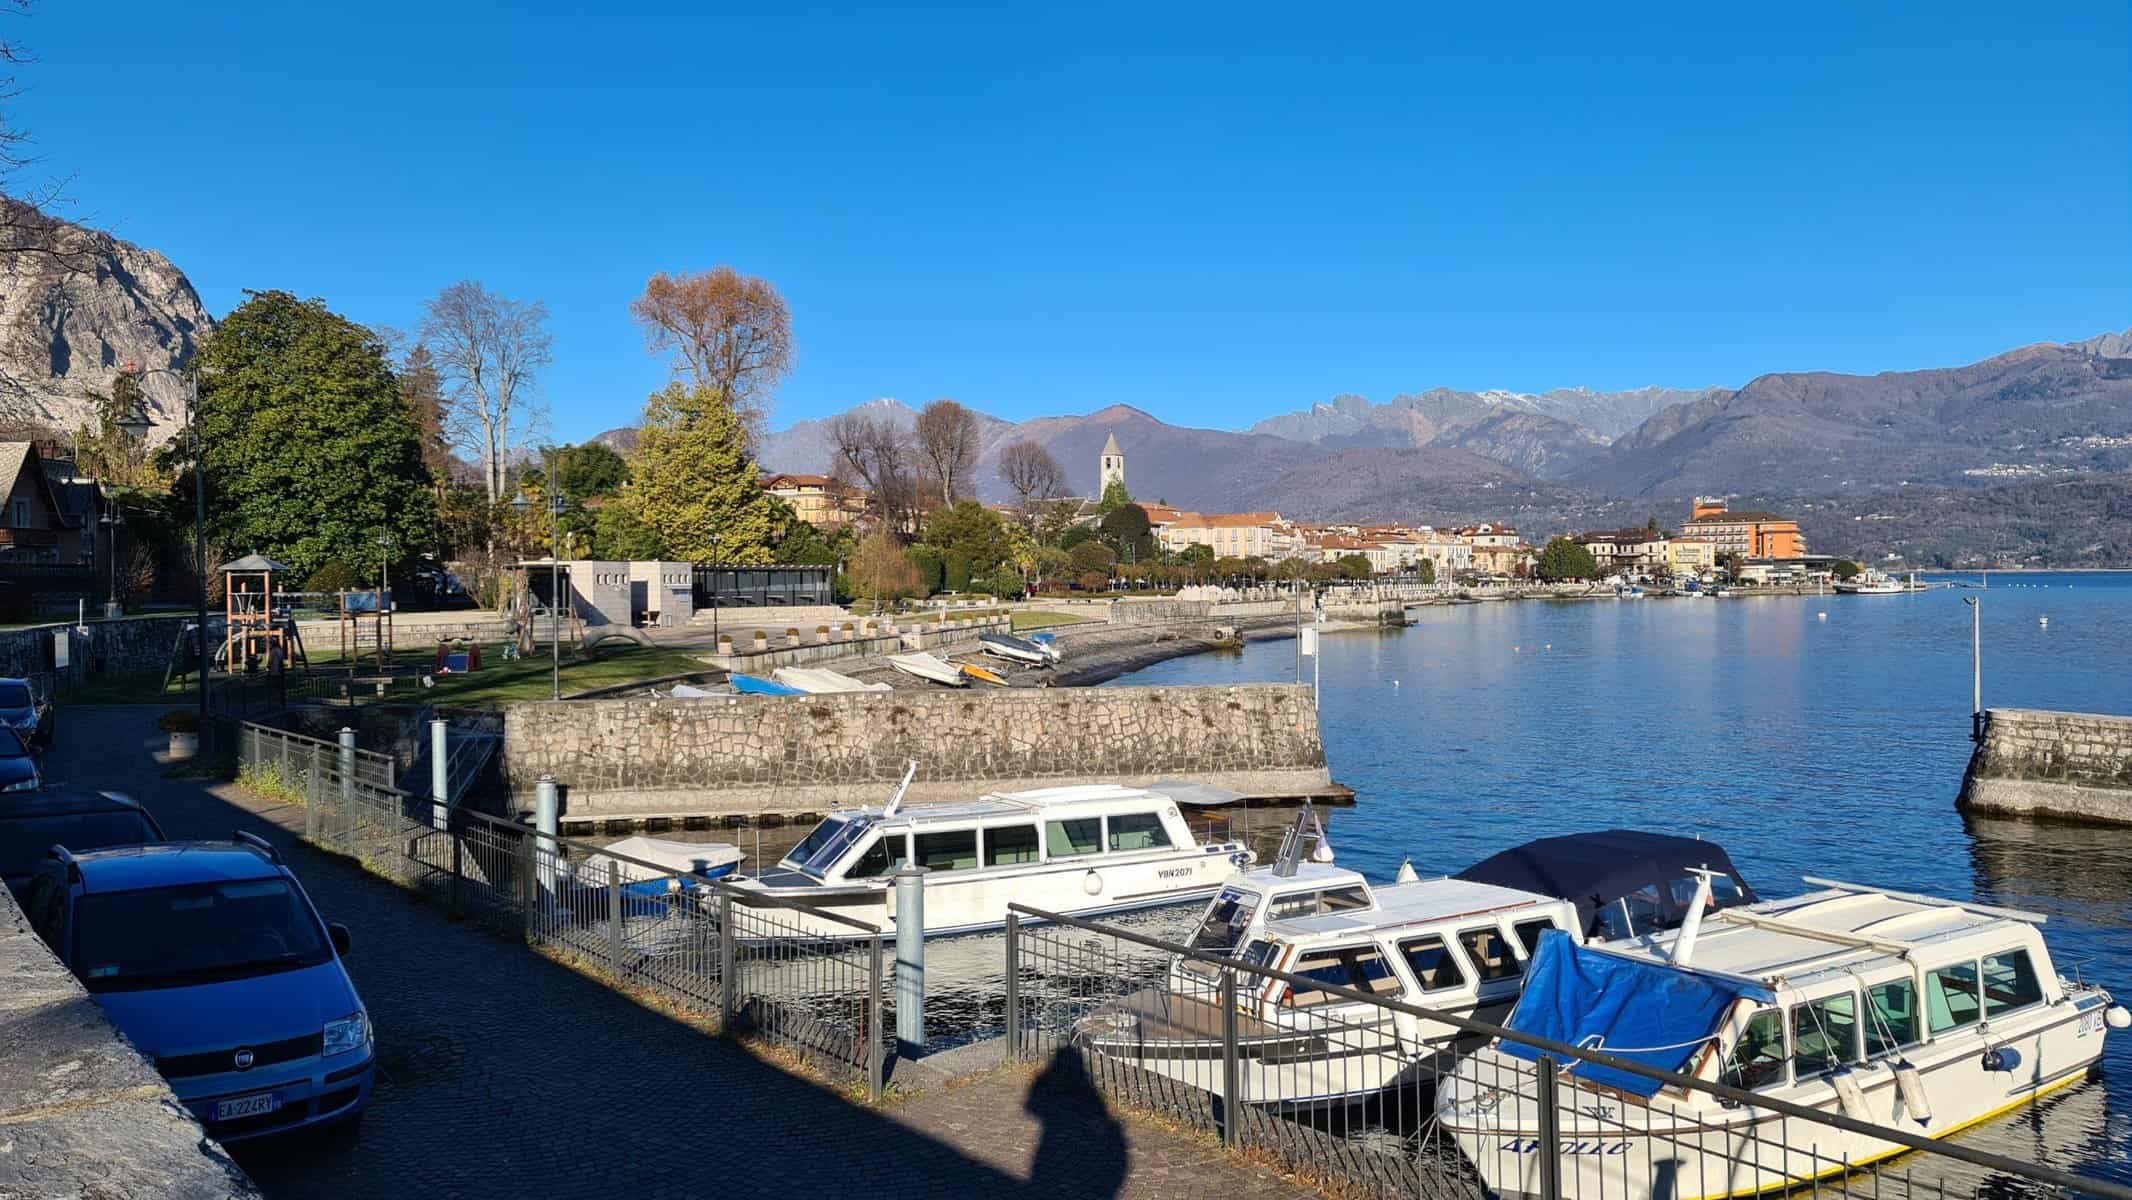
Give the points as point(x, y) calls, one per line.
point(1310, 904)
point(1824, 1034)
point(1490, 952)
point(1008, 845)
point(890, 852)
point(1227, 916)
point(1758, 1057)
point(1360, 967)
point(1638, 912)
point(948, 850)
point(816, 838)
point(2009, 982)
point(1725, 892)
point(1138, 831)
point(1259, 953)
point(1064, 839)
point(1891, 1020)
point(1434, 966)
point(1529, 933)
point(1951, 997)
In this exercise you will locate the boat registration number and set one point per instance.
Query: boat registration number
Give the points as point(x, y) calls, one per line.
point(247, 1106)
point(2090, 1021)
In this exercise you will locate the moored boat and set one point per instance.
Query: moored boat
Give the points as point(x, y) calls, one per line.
point(751, 685)
point(1891, 1008)
point(1870, 582)
point(983, 674)
point(629, 856)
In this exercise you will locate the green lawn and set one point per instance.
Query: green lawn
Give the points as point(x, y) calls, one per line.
point(1044, 620)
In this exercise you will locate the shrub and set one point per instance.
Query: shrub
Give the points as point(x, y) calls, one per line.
point(335, 576)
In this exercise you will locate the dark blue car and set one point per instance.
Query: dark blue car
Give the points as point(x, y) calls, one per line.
point(212, 961)
point(30, 716)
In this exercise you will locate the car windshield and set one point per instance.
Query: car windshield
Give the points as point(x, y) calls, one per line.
point(10, 745)
point(25, 840)
point(16, 695)
point(194, 933)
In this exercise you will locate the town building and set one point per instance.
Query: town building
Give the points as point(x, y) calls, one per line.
point(1747, 534)
point(1498, 550)
point(1629, 551)
point(819, 500)
point(32, 516)
point(1235, 535)
point(1692, 555)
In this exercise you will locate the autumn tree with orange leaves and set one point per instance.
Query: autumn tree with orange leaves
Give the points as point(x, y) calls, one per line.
point(730, 335)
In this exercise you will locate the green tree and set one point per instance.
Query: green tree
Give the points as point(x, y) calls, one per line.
point(931, 563)
point(1844, 568)
point(1199, 557)
point(1563, 559)
point(308, 449)
point(882, 573)
point(1425, 570)
point(969, 531)
point(1126, 531)
point(1006, 583)
point(695, 487)
point(1730, 563)
point(618, 536)
point(1092, 557)
point(1354, 566)
point(807, 545)
point(1114, 498)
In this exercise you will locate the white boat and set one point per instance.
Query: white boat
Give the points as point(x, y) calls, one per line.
point(1894, 1009)
point(1870, 582)
point(1014, 649)
point(929, 667)
point(1081, 850)
point(1454, 945)
point(822, 681)
point(629, 858)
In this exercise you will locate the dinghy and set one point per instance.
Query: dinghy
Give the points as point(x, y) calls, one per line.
point(982, 675)
point(821, 681)
point(1014, 649)
point(929, 667)
point(750, 685)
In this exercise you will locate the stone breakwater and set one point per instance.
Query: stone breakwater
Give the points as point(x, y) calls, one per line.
point(632, 758)
point(2072, 766)
point(81, 1112)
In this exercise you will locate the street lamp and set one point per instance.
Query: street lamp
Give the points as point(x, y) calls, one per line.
point(138, 420)
point(714, 591)
point(111, 521)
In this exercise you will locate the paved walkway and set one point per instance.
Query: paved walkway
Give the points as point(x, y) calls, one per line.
point(506, 1075)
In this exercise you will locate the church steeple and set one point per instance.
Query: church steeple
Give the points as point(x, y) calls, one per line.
point(1111, 468)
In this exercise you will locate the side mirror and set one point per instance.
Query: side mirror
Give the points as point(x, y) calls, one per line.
point(338, 933)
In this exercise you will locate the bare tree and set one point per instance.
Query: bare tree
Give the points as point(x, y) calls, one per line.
point(1030, 473)
point(487, 350)
point(947, 436)
point(875, 453)
point(728, 332)
point(26, 225)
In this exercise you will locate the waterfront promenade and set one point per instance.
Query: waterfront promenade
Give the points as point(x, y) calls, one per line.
point(506, 1074)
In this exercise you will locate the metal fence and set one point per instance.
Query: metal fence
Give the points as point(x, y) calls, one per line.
point(1344, 1085)
point(804, 980)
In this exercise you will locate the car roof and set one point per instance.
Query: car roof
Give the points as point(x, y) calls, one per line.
point(57, 803)
point(167, 864)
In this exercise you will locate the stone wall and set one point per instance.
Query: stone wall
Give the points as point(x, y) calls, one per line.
point(81, 1112)
point(2032, 762)
point(626, 758)
point(124, 647)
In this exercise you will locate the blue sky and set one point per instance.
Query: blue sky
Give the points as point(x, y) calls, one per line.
point(1215, 214)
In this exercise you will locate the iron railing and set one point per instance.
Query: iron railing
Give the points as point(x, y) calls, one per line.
point(1346, 1086)
point(802, 979)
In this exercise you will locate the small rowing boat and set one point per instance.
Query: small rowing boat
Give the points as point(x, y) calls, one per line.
point(929, 667)
point(982, 675)
point(821, 681)
point(1014, 649)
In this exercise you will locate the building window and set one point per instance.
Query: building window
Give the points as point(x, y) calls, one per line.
point(22, 514)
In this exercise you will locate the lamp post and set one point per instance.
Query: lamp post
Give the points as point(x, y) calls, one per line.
point(112, 521)
point(198, 452)
point(714, 591)
point(1976, 668)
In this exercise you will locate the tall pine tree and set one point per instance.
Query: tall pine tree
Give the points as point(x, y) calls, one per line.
point(693, 486)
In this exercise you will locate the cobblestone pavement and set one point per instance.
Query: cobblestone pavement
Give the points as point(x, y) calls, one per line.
point(506, 1075)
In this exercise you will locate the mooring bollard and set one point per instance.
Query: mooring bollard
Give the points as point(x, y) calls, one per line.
point(910, 961)
point(346, 758)
point(547, 822)
point(439, 775)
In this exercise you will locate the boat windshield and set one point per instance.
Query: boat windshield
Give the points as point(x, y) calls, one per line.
point(826, 842)
point(1227, 916)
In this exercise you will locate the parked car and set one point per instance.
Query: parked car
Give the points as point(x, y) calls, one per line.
point(18, 767)
point(31, 825)
point(211, 960)
point(27, 713)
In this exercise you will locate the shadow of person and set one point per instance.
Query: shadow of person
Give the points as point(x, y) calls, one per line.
point(1080, 1147)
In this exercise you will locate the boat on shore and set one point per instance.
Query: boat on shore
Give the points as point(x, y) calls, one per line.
point(1887, 1007)
point(1081, 850)
point(1016, 649)
point(983, 674)
point(821, 681)
point(929, 667)
point(751, 685)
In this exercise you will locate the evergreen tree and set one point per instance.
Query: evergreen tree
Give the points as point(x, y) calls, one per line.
point(1564, 559)
point(1114, 498)
point(695, 489)
point(310, 449)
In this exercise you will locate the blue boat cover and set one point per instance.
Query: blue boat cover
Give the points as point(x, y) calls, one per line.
point(750, 685)
point(1635, 1008)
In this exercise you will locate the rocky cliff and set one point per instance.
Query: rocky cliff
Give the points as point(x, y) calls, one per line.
point(75, 304)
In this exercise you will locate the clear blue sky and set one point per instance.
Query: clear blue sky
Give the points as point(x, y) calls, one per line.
point(1214, 215)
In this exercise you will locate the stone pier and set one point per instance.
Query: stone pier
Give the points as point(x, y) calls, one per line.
point(2071, 766)
point(631, 758)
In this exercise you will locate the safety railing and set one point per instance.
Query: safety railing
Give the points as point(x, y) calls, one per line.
point(1387, 1098)
point(800, 978)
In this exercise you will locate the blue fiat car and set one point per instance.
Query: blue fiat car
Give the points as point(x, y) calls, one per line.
point(211, 960)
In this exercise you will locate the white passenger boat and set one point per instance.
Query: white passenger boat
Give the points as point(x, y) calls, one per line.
point(1870, 582)
point(821, 681)
point(1080, 850)
point(1895, 1009)
point(1455, 945)
point(929, 667)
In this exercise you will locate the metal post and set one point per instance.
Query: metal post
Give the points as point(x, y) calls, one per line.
point(440, 786)
point(1550, 1153)
point(347, 770)
point(1229, 1081)
point(910, 961)
point(1014, 986)
point(614, 916)
point(528, 890)
point(547, 822)
point(876, 1056)
point(457, 871)
point(1976, 668)
point(555, 585)
point(728, 965)
point(199, 497)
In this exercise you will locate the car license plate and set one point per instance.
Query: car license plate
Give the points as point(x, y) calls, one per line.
point(247, 1106)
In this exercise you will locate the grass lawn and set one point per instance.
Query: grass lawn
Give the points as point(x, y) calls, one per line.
point(1044, 620)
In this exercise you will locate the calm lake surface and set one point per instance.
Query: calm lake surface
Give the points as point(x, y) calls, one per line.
point(1817, 735)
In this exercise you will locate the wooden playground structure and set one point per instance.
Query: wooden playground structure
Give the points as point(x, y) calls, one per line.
point(260, 629)
point(364, 620)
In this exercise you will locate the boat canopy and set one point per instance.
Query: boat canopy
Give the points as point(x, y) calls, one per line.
point(1653, 1013)
point(1594, 870)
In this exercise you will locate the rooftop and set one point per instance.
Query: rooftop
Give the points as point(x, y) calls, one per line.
point(1735, 518)
point(1002, 804)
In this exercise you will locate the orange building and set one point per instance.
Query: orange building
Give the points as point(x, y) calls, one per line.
point(1747, 534)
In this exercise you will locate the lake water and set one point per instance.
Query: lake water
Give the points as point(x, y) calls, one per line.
point(1806, 734)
